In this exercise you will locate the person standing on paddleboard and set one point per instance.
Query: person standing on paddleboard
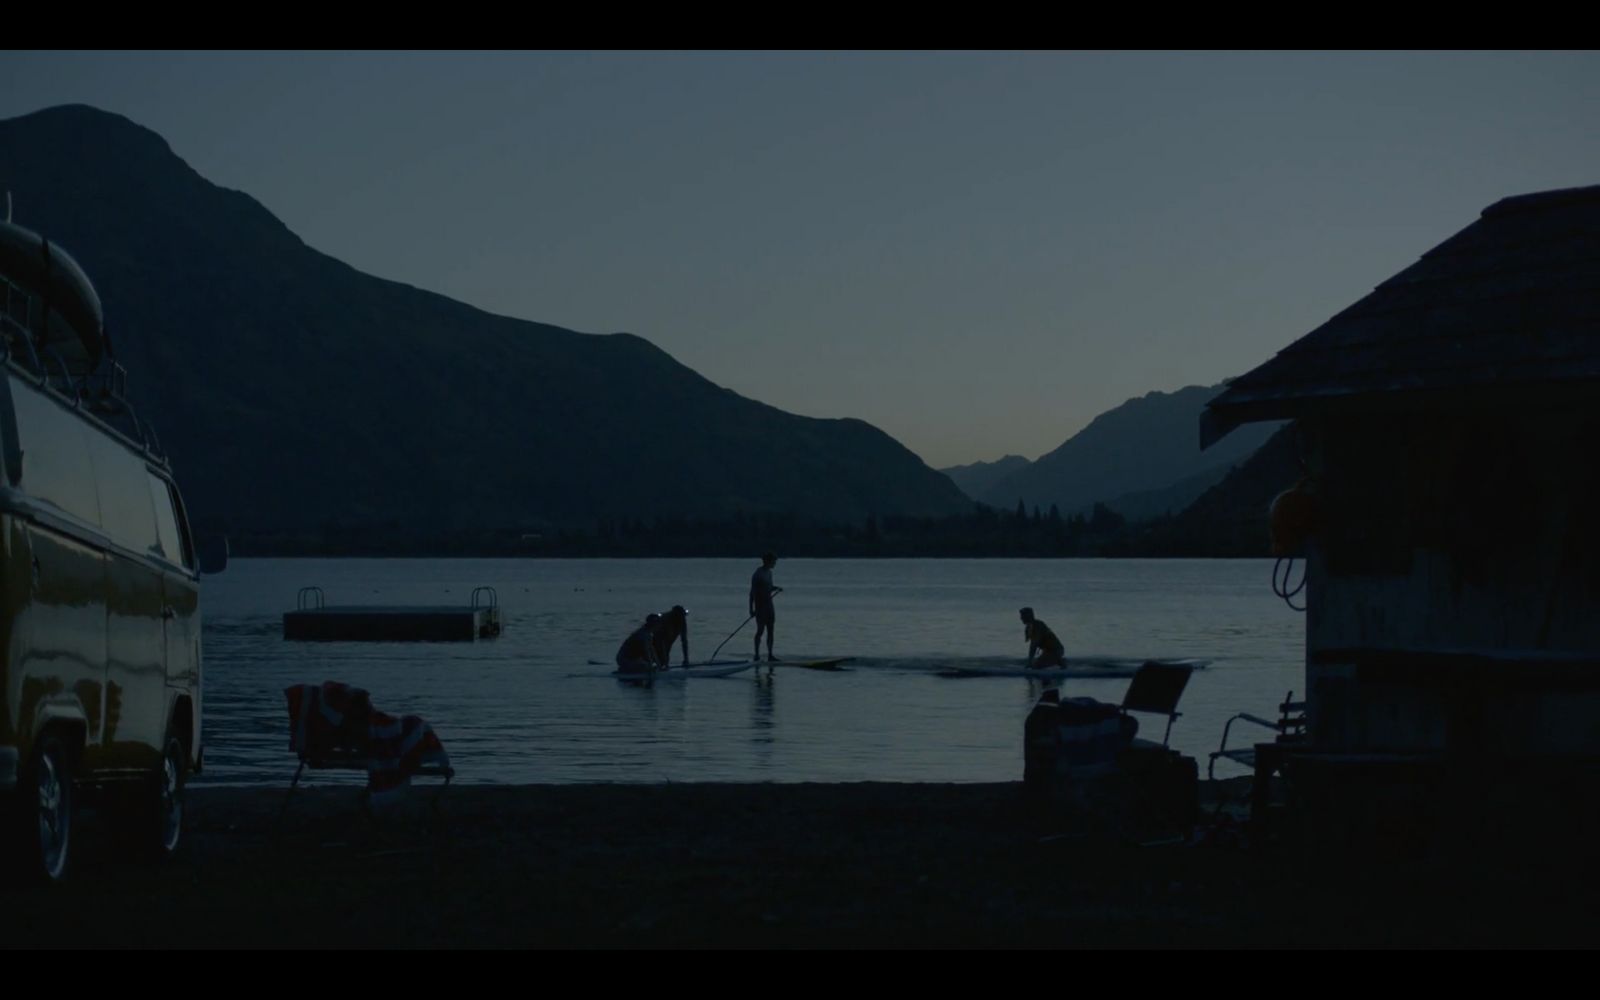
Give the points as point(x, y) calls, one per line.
point(1043, 642)
point(761, 591)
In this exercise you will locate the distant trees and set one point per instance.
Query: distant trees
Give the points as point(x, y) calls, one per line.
point(1104, 520)
point(983, 531)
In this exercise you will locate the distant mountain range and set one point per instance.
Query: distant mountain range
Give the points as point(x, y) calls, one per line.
point(294, 392)
point(1141, 459)
point(976, 478)
point(1230, 518)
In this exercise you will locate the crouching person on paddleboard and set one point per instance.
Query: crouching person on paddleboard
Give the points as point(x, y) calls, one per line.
point(673, 627)
point(637, 655)
point(1043, 642)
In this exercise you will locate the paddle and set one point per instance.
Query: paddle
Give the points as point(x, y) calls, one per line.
point(775, 592)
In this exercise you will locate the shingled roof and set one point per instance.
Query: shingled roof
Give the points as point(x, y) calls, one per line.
point(1511, 300)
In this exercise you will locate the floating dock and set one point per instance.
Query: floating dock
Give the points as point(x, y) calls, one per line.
point(313, 620)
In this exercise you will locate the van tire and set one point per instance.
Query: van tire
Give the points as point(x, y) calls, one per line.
point(43, 814)
point(161, 812)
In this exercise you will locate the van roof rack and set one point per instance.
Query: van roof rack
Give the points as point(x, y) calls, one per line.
point(48, 306)
point(101, 392)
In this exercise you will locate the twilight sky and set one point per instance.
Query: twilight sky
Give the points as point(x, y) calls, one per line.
point(977, 252)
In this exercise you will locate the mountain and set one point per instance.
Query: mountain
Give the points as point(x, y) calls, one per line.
point(975, 478)
point(294, 392)
point(1147, 444)
point(1230, 519)
point(1147, 505)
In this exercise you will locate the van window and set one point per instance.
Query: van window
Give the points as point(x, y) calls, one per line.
point(167, 522)
point(184, 537)
point(55, 453)
point(126, 512)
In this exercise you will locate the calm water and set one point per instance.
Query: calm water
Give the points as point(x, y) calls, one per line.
point(528, 707)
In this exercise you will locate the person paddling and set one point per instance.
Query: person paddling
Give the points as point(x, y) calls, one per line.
point(761, 591)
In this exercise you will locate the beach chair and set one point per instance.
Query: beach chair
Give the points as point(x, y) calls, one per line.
point(1290, 728)
point(356, 760)
point(1155, 690)
point(334, 728)
point(1264, 759)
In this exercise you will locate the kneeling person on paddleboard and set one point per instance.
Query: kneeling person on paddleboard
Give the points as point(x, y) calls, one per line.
point(674, 626)
point(637, 655)
point(1043, 642)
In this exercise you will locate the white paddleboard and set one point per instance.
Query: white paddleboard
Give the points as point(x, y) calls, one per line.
point(833, 664)
point(1074, 669)
point(716, 668)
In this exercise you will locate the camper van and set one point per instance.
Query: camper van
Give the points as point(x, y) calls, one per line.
point(100, 693)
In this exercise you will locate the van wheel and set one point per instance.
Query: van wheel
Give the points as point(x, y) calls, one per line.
point(164, 802)
point(44, 813)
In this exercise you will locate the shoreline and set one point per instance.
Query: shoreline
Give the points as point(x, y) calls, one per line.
point(862, 865)
point(744, 558)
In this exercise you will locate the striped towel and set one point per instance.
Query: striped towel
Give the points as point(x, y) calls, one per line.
point(336, 720)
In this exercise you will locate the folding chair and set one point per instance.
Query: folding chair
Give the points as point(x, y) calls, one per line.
point(1264, 759)
point(1155, 690)
point(1290, 728)
point(349, 760)
point(349, 747)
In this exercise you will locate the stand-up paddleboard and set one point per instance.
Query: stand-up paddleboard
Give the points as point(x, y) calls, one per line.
point(833, 664)
point(1075, 669)
point(714, 668)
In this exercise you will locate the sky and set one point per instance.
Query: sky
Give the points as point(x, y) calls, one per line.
point(978, 252)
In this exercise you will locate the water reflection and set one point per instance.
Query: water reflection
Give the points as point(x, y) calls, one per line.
point(762, 707)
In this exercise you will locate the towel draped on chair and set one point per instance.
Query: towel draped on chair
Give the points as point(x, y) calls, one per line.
point(335, 722)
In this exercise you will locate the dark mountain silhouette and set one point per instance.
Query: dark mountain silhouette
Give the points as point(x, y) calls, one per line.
point(1147, 444)
point(293, 391)
point(1230, 519)
point(1147, 505)
point(976, 477)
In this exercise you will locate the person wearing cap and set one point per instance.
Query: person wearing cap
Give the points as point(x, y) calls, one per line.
point(674, 626)
point(1041, 641)
point(637, 655)
point(761, 591)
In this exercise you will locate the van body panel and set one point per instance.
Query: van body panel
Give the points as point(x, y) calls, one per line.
point(99, 597)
